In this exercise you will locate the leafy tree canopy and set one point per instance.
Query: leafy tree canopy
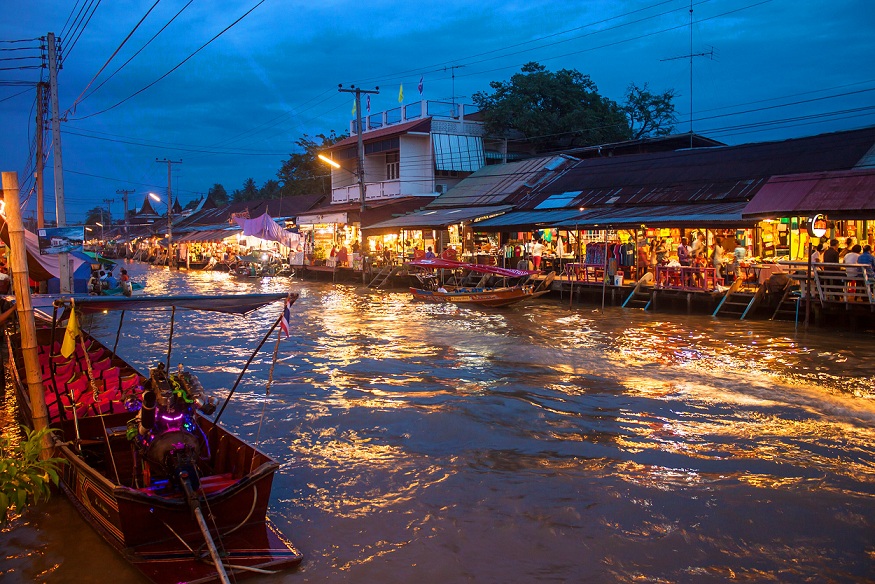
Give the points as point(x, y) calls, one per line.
point(97, 215)
point(218, 193)
point(303, 173)
point(561, 109)
point(649, 114)
point(249, 192)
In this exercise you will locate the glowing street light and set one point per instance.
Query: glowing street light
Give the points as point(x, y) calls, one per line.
point(328, 161)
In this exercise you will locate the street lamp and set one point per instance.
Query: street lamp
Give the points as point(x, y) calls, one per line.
point(101, 230)
point(170, 259)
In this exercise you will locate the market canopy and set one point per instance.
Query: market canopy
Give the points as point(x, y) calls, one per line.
point(231, 304)
point(690, 215)
point(264, 227)
point(46, 267)
point(849, 193)
point(439, 218)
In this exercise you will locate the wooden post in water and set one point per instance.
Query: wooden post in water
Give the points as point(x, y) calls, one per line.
point(27, 327)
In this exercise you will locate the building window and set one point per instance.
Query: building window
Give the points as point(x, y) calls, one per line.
point(392, 166)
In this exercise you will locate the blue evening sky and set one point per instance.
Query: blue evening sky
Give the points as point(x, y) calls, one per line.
point(780, 69)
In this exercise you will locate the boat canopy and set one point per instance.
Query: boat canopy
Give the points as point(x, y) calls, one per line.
point(443, 264)
point(231, 304)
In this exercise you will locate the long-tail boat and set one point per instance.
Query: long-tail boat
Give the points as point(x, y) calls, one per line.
point(181, 498)
point(516, 285)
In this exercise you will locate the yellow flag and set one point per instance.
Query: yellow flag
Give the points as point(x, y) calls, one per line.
point(401, 94)
point(68, 347)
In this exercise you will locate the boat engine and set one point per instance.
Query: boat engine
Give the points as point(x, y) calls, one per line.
point(167, 434)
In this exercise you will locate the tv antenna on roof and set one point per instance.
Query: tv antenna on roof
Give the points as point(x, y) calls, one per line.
point(690, 57)
point(452, 69)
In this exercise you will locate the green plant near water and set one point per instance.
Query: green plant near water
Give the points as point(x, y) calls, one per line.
point(24, 478)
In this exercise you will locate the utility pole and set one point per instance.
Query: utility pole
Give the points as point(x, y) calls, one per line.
point(690, 57)
point(171, 260)
point(109, 203)
point(40, 154)
point(124, 193)
point(361, 144)
point(65, 273)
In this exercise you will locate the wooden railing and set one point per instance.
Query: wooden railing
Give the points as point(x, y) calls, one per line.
point(834, 282)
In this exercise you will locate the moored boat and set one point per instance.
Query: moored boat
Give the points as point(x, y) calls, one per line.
point(515, 285)
point(182, 499)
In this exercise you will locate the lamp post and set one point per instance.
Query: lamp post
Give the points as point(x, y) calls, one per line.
point(101, 231)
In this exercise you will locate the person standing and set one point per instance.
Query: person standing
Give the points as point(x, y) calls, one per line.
point(429, 254)
point(684, 253)
point(699, 245)
point(866, 258)
point(717, 258)
point(537, 252)
point(817, 254)
point(831, 254)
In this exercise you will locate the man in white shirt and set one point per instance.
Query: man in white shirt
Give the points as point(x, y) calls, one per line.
point(537, 252)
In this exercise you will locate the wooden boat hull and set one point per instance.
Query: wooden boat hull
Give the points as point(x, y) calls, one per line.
point(491, 297)
point(153, 526)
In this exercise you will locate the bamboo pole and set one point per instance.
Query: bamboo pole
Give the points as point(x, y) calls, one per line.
point(27, 327)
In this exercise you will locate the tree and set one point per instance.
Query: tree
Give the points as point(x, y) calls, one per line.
point(248, 193)
point(649, 114)
point(303, 173)
point(270, 190)
point(97, 215)
point(218, 193)
point(561, 109)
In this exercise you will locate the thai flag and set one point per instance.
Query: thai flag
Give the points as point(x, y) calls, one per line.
point(420, 86)
point(287, 314)
point(369, 104)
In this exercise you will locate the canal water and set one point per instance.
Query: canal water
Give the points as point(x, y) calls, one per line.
point(537, 443)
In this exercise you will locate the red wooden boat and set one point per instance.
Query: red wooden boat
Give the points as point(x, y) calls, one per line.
point(433, 290)
point(179, 496)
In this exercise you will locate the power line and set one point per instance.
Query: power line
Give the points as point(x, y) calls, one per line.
point(140, 50)
point(82, 28)
point(111, 57)
point(180, 64)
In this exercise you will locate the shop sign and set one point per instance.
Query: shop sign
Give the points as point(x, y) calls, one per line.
point(817, 225)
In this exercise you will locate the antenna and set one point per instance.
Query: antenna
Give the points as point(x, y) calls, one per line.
point(452, 69)
point(690, 56)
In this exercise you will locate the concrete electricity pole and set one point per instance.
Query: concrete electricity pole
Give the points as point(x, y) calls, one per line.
point(361, 147)
point(40, 154)
point(66, 274)
point(171, 260)
point(124, 193)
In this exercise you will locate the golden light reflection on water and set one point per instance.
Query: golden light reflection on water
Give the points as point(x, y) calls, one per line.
point(419, 441)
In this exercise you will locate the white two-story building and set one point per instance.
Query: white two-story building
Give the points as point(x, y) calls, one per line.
point(412, 154)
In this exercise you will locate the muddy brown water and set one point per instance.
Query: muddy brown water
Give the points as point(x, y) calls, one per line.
point(538, 443)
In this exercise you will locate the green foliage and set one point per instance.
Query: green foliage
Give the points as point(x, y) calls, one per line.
point(219, 195)
point(561, 109)
point(94, 216)
point(24, 478)
point(649, 114)
point(303, 173)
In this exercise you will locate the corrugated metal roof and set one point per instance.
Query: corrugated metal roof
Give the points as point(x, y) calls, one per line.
point(727, 173)
point(676, 215)
point(285, 207)
point(503, 183)
point(433, 218)
point(421, 125)
point(527, 219)
point(837, 194)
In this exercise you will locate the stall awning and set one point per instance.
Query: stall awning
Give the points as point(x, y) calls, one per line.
point(849, 193)
point(440, 218)
point(692, 215)
point(521, 220)
point(205, 236)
